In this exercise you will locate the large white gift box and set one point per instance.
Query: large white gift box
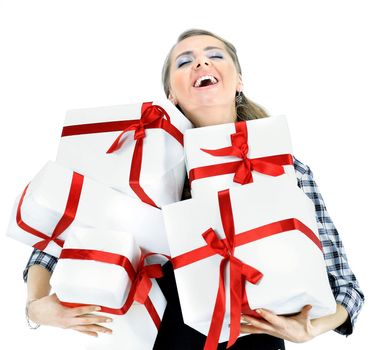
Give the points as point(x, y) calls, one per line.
point(230, 155)
point(101, 267)
point(58, 199)
point(144, 142)
point(274, 231)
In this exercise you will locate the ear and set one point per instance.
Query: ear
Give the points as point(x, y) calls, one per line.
point(239, 86)
point(172, 99)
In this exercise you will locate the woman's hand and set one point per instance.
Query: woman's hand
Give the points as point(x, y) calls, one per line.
point(297, 328)
point(49, 311)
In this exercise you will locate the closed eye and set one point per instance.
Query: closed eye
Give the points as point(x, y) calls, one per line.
point(182, 64)
point(217, 56)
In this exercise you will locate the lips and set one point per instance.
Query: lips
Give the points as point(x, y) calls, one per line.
point(205, 80)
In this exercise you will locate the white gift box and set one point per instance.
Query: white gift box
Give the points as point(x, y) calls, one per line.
point(162, 168)
point(99, 206)
point(292, 264)
point(266, 137)
point(95, 282)
point(78, 281)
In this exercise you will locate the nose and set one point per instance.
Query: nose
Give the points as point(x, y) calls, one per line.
point(201, 61)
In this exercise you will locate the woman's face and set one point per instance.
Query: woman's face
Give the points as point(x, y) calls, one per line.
point(204, 80)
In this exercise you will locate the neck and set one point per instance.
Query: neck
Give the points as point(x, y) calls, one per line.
point(211, 115)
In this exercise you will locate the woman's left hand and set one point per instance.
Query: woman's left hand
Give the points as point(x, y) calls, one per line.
point(297, 328)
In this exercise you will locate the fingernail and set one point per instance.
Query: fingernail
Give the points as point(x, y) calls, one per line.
point(98, 308)
point(109, 320)
point(258, 311)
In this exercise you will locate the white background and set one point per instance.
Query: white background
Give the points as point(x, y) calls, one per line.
point(319, 63)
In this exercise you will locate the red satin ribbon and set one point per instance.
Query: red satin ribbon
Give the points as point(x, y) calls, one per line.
point(64, 222)
point(141, 283)
point(152, 117)
point(239, 271)
point(270, 165)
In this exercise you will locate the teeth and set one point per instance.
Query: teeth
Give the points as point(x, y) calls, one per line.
point(210, 77)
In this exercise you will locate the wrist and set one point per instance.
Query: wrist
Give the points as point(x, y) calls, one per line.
point(314, 330)
point(326, 323)
point(31, 324)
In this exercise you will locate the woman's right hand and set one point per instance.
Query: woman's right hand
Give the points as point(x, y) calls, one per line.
point(48, 311)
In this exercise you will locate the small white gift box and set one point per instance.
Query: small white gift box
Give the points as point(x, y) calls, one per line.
point(144, 142)
point(58, 198)
point(274, 233)
point(230, 155)
point(101, 267)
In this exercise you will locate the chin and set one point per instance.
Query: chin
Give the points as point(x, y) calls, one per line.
point(212, 121)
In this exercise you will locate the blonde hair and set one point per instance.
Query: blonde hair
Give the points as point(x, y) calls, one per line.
point(246, 109)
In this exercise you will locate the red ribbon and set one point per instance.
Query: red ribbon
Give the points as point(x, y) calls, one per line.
point(239, 271)
point(271, 165)
point(64, 222)
point(141, 283)
point(152, 117)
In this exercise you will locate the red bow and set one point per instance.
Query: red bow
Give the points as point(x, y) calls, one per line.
point(239, 273)
point(239, 148)
point(142, 284)
point(151, 114)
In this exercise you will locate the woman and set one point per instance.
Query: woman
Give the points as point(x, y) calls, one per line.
point(215, 99)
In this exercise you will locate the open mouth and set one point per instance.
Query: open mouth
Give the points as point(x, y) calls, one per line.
point(206, 80)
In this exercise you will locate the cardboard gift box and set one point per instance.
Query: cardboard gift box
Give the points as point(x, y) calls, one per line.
point(230, 155)
point(106, 268)
point(57, 199)
point(135, 148)
point(265, 234)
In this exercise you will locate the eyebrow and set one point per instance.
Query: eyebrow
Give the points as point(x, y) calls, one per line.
point(205, 49)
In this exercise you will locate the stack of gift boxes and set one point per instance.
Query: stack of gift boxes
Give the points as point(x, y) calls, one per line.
point(97, 208)
point(248, 237)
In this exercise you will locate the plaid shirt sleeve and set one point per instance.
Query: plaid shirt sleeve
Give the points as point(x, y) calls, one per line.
point(40, 258)
point(343, 282)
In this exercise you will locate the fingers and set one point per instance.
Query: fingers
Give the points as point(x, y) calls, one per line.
point(305, 311)
point(90, 329)
point(81, 310)
point(250, 329)
point(90, 319)
point(92, 334)
point(269, 316)
point(88, 323)
point(81, 319)
point(255, 325)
